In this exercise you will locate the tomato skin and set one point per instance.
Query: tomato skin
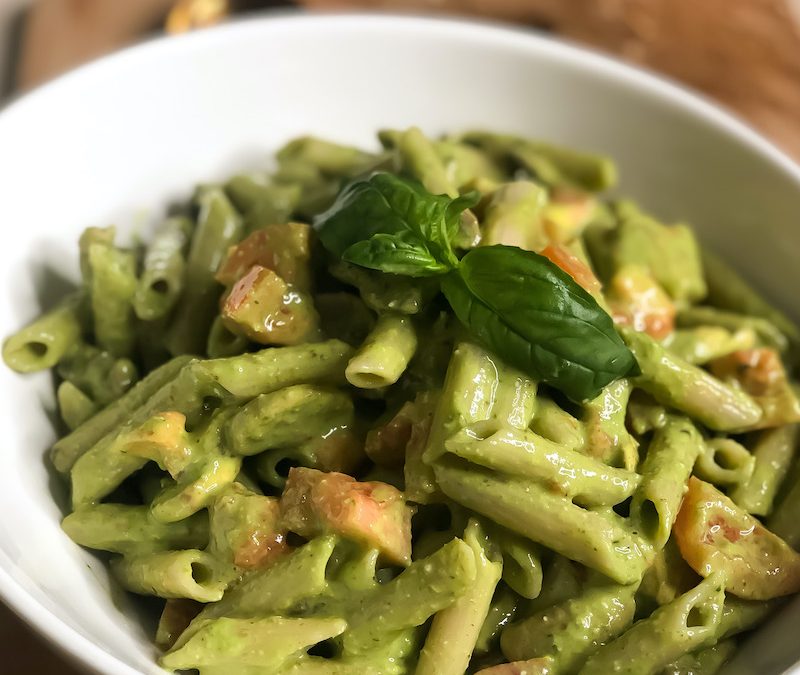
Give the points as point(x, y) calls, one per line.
point(372, 513)
point(267, 310)
point(572, 265)
point(284, 249)
point(713, 534)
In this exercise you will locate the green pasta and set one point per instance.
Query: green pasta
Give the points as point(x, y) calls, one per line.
point(266, 644)
point(385, 354)
point(705, 343)
point(729, 291)
point(44, 342)
point(131, 530)
point(75, 406)
point(739, 324)
point(665, 470)
point(773, 453)
point(686, 624)
point(501, 612)
point(597, 540)
point(678, 384)
point(172, 574)
point(218, 226)
point(424, 588)
point(223, 342)
point(570, 631)
point(582, 479)
point(552, 164)
point(557, 425)
point(98, 373)
point(287, 417)
point(723, 461)
point(161, 281)
point(704, 662)
point(439, 409)
point(522, 565)
point(514, 216)
point(419, 158)
point(606, 436)
point(68, 449)
point(263, 202)
point(454, 631)
point(111, 287)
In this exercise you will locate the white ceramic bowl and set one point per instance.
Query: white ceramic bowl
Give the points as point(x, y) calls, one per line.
point(115, 141)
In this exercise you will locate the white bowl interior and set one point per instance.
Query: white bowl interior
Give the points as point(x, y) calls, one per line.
point(116, 141)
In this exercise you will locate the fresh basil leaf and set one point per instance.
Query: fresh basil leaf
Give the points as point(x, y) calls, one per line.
point(388, 204)
point(395, 254)
point(535, 317)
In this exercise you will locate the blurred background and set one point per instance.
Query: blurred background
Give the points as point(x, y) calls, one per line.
point(745, 54)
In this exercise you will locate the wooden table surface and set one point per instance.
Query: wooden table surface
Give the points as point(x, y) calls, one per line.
point(744, 54)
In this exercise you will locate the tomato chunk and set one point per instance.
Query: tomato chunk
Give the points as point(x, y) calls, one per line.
point(386, 444)
point(248, 526)
point(761, 374)
point(283, 248)
point(714, 534)
point(267, 310)
point(573, 266)
point(374, 514)
point(639, 301)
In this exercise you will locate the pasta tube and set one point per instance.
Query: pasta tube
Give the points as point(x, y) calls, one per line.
point(599, 541)
point(569, 631)
point(688, 623)
point(454, 631)
point(578, 477)
point(47, 340)
point(385, 354)
point(161, 281)
point(172, 574)
point(772, 455)
point(131, 530)
point(218, 226)
point(665, 470)
point(680, 385)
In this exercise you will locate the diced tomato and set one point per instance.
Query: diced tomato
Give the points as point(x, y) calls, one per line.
point(759, 371)
point(761, 374)
point(386, 444)
point(714, 534)
point(638, 300)
point(283, 248)
point(374, 514)
point(250, 527)
point(264, 308)
point(573, 266)
point(262, 541)
point(542, 666)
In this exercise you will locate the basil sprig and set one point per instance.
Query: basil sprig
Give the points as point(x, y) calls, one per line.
point(517, 303)
point(394, 225)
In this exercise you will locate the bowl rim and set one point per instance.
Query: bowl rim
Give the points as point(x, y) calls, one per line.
point(64, 637)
